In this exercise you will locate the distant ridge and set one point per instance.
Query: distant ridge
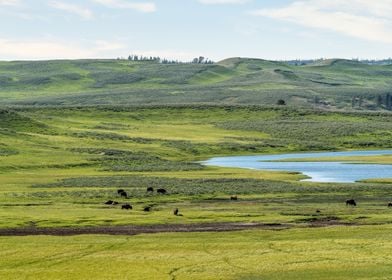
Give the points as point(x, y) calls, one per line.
point(325, 84)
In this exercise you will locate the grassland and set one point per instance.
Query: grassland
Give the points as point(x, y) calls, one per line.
point(319, 253)
point(72, 160)
point(332, 84)
point(58, 165)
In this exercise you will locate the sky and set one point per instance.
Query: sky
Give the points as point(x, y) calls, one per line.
point(183, 29)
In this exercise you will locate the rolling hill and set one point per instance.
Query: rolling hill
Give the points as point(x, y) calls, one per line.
point(334, 84)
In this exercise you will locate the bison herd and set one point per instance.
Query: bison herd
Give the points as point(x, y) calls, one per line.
point(123, 194)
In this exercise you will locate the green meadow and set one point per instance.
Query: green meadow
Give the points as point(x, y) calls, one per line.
point(317, 253)
point(74, 132)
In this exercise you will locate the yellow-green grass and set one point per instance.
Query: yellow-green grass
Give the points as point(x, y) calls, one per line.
point(23, 179)
point(80, 207)
point(306, 253)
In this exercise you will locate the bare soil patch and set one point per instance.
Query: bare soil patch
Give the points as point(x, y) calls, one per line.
point(137, 229)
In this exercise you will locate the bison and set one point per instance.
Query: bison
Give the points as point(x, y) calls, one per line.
point(120, 191)
point(109, 202)
point(161, 191)
point(126, 207)
point(390, 204)
point(147, 209)
point(233, 197)
point(124, 194)
point(150, 189)
point(351, 202)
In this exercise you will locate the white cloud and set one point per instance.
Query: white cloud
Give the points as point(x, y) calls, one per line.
point(145, 7)
point(377, 8)
point(364, 19)
point(217, 2)
point(83, 12)
point(10, 2)
point(53, 48)
point(56, 49)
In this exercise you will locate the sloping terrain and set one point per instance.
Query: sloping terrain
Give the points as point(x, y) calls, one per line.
point(331, 84)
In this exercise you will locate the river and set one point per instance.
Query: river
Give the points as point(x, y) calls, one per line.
point(341, 172)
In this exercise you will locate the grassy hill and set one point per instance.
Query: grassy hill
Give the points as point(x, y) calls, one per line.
point(330, 84)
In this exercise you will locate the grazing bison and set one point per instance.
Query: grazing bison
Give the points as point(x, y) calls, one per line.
point(109, 202)
point(114, 203)
point(120, 191)
point(147, 209)
point(318, 211)
point(175, 212)
point(351, 202)
point(233, 197)
point(124, 194)
point(126, 207)
point(390, 204)
point(161, 191)
point(150, 189)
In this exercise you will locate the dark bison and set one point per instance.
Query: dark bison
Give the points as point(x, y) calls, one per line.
point(161, 191)
point(111, 202)
point(120, 191)
point(233, 197)
point(390, 204)
point(150, 189)
point(318, 211)
point(351, 202)
point(147, 209)
point(126, 207)
point(175, 212)
point(124, 194)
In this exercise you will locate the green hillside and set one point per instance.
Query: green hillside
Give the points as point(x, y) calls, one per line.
point(331, 84)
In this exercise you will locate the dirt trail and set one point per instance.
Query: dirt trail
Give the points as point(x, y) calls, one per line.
point(133, 230)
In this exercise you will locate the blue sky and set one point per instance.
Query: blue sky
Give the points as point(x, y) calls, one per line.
point(182, 29)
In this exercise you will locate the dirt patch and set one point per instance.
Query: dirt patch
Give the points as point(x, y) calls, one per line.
point(327, 221)
point(133, 230)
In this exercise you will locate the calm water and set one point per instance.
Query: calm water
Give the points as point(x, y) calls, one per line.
point(341, 172)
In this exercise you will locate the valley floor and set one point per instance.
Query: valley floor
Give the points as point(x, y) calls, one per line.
point(313, 253)
point(58, 167)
